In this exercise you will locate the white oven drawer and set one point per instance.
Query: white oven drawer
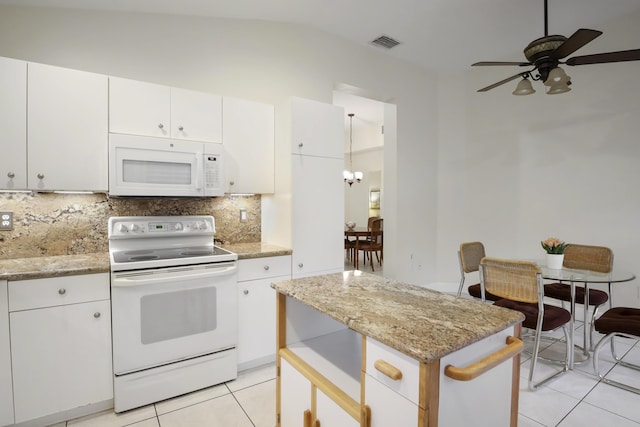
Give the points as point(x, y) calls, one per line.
point(408, 385)
point(54, 291)
point(262, 268)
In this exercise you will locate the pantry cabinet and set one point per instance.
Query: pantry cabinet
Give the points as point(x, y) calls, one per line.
point(13, 122)
point(256, 311)
point(317, 188)
point(148, 109)
point(67, 121)
point(6, 387)
point(248, 137)
point(60, 344)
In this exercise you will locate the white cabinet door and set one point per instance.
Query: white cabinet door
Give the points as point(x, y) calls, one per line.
point(248, 138)
point(318, 129)
point(328, 413)
point(13, 122)
point(256, 322)
point(67, 129)
point(149, 109)
point(389, 408)
point(257, 308)
point(61, 357)
point(196, 116)
point(318, 213)
point(6, 385)
point(139, 108)
point(295, 396)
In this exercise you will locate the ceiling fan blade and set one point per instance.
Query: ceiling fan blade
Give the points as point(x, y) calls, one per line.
point(575, 42)
point(501, 82)
point(491, 63)
point(600, 58)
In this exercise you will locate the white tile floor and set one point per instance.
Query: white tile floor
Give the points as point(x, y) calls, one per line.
point(576, 398)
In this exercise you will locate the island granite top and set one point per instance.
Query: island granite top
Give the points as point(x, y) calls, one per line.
point(421, 323)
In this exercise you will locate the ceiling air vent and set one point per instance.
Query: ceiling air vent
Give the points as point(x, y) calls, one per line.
point(385, 42)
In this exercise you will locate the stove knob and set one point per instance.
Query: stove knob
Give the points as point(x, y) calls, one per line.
point(123, 228)
point(201, 225)
point(133, 227)
point(177, 226)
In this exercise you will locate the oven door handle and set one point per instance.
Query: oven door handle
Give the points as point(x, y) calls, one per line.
point(183, 273)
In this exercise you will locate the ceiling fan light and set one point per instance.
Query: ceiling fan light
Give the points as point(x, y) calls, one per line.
point(559, 88)
point(557, 76)
point(524, 88)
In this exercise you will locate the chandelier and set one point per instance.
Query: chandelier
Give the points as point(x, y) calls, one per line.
point(350, 175)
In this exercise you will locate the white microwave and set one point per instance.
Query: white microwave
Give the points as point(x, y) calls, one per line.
point(161, 167)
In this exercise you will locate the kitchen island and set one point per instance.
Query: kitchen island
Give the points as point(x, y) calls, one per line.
point(356, 349)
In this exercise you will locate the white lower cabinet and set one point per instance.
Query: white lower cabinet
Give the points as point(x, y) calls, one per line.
point(257, 310)
point(329, 413)
point(60, 344)
point(6, 388)
point(388, 408)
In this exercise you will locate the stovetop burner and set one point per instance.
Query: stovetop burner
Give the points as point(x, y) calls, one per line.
point(155, 242)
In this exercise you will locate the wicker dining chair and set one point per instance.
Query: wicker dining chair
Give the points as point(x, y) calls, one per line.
point(469, 256)
point(519, 284)
point(584, 257)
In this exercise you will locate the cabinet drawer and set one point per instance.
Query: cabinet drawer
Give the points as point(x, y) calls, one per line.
point(408, 385)
point(38, 293)
point(262, 268)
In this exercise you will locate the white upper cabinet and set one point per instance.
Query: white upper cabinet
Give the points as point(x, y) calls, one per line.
point(196, 116)
point(67, 127)
point(317, 129)
point(13, 122)
point(248, 137)
point(142, 108)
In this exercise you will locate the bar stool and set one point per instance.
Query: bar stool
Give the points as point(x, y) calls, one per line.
point(617, 322)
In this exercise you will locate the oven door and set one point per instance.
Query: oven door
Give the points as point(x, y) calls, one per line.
point(169, 314)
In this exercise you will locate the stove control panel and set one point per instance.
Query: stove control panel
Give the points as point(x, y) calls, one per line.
point(128, 227)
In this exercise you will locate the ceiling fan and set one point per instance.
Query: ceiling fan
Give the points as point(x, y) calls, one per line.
point(545, 55)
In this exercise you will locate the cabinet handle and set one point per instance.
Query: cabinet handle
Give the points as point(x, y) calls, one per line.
point(388, 369)
point(160, 125)
point(96, 314)
point(231, 182)
point(246, 292)
point(180, 128)
point(62, 291)
point(266, 268)
point(300, 145)
point(40, 176)
point(514, 346)
point(11, 175)
point(300, 265)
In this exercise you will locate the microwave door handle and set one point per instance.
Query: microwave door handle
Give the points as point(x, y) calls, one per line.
point(199, 171)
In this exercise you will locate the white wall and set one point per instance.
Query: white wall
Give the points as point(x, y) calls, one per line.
point(262, 61)
point(515, 170)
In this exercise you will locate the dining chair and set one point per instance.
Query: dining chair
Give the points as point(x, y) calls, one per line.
point(584, 257)
point(519, 285)
point(617, 322)
point(469, 256)
point(373, 244)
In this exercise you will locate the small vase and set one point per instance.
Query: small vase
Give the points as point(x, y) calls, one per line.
point(554, 261)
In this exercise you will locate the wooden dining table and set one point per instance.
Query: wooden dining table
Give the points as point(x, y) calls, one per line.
point(358, 233)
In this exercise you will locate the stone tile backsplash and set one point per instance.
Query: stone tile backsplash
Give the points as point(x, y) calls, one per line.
point(46, 224)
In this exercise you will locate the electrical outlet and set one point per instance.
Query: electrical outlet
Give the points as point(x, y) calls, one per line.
point(243, 215)
point(6, 220)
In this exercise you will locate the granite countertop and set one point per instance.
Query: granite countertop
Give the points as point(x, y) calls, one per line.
point(421, 323)
point(255, 250)
point(69, 265)
point(53, 266)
